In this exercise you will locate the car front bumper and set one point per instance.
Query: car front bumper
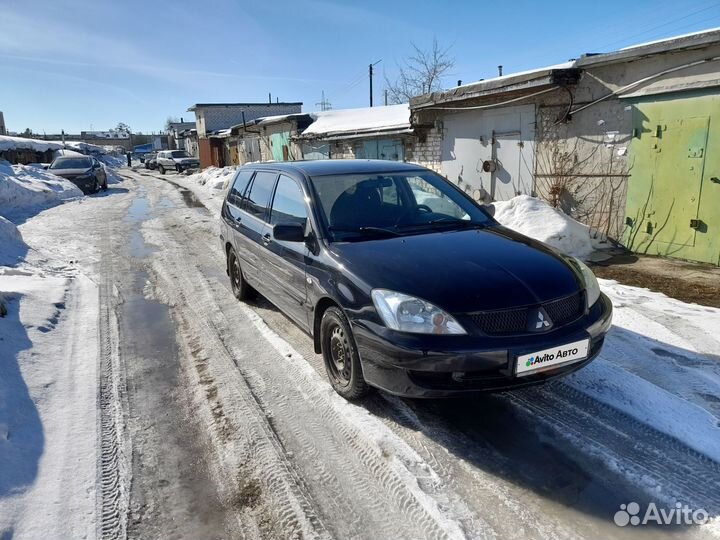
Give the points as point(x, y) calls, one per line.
point(426, 366)
point(187, 166)
point(85, 183)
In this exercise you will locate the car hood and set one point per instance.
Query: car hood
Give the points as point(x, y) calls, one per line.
point(461, 271)
point(69, 173)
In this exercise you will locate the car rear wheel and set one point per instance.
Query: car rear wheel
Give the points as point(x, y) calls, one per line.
point(161, 169)
point(342, 361)
point(240, 288)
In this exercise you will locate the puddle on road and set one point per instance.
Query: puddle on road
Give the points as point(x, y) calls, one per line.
point(139, 209)
point(191, 201)
point(138, 248)
point(172, 491)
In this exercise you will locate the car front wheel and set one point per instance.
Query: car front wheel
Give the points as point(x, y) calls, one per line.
point(161, 169)
point(342, 361)
point(178, 169)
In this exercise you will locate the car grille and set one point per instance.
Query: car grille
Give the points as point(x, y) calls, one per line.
point(515, 321)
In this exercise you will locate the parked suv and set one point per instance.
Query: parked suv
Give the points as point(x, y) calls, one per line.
point(404, 282)
point(179, 160)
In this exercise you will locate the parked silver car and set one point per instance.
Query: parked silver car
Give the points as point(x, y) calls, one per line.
point(179, 160)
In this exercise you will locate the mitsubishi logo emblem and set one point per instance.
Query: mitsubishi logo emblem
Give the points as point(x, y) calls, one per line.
point(538, 320)
point(541, 322)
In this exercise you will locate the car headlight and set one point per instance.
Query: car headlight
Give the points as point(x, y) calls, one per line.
point(409, 314)
point(592, 289)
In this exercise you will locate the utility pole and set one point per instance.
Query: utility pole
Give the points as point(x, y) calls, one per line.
point(370, 71)
point(386, 97)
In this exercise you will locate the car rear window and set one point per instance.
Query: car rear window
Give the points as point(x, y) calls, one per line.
point(238, 188)
point(258, 198)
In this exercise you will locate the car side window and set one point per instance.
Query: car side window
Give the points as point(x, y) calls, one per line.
point(238, 188)
point(289, 203)
point(258, 198)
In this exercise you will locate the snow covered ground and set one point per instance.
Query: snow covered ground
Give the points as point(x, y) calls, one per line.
point(284, 455)
point(48, 359)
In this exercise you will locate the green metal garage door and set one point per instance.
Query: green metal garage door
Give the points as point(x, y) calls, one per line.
point(673, 204)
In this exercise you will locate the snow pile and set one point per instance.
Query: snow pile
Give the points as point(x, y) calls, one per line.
point(21, 143)
point(24, 188)
point(12, 246)
point(536, 219)
point(112, 161)
point(367, 119)
point(213, 178)
point(112, 176)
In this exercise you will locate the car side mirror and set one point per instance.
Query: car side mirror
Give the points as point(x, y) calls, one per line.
point(46, 166)
point(490, 209)
point(289, 232)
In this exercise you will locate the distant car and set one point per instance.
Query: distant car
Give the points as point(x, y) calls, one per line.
point(179, 160)
point(404, 282)
point(151, 160)
point(86, 172)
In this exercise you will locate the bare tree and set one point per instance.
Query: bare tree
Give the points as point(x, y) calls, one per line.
point(420, 73)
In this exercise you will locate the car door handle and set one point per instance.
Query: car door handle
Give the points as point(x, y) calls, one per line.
point(238, 219)
point(267, 239)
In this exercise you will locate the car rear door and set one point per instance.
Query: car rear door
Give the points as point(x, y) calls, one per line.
point(255, 211)
point(232, 215)
point(285, 262)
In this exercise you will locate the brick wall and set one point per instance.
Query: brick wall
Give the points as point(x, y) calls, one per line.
point(224, 117)
point(427, 149)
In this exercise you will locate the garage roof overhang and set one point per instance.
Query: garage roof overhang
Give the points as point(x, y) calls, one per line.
point(519, 83)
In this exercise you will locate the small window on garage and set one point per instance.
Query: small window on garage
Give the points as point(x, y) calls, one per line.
point(238, 188)
point(258, 198)
point(288, 203)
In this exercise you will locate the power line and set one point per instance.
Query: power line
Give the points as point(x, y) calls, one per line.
point(653, 28)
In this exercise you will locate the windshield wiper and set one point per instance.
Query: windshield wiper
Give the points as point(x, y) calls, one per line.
point(445, 221)
point(366, 229)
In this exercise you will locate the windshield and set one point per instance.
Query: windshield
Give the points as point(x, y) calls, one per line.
point(71, 163)
point(180, 154)
point(362, 206)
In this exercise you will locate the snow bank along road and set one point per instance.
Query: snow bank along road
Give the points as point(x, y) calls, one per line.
point(215, 420)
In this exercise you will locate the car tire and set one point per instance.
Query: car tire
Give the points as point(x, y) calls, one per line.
point(342, 361)
point(178, 169)
point(240, 288)
point(105, 185)
point(94, 188)
point(161, 169)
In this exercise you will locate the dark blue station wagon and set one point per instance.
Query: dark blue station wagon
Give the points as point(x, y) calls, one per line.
point(404, 282)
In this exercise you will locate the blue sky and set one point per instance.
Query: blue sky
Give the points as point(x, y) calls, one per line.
point(78, 64)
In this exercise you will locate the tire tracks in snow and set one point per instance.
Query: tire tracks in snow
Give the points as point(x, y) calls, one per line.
point(112, 491)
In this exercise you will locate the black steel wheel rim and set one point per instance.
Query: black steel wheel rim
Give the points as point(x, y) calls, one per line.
point(235, 273)
point(340, 355)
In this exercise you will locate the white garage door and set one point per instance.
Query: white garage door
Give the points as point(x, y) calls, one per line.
point(503, 136)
